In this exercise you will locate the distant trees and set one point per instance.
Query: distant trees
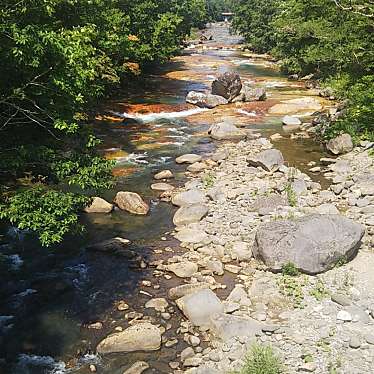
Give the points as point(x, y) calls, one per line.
point(58, 57)
point(333, 39)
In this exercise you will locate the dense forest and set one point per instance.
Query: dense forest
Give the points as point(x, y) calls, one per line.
point(58, 57)
point(331, 39)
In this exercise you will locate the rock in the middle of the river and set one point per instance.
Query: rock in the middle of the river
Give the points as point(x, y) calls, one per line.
point(312, 243)
point(227, 85)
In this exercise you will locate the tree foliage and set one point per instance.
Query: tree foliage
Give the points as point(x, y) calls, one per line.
point(333, 39)
point(58, 58)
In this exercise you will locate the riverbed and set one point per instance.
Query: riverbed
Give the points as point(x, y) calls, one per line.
point(52, 295)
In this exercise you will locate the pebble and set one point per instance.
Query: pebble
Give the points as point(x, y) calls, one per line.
point(344, 316)
point(355, 342)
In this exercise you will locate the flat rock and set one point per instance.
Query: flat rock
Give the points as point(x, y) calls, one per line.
point(163, 174)
point(291, 121)
point(185, 269)
point(312, 243)
point(197, 167)
point(200, 306)
point(226, 131)
point(98, 205)
point(188, 158)
point(296, 106)
point(162, 187)
point(187, 235)
point(185, 289)
point(268, 204)
point(158, 303)
point(190, 197)
point(205, 100)
point(190, 214)
point(269, 160)
point(131, 202)
point(139, 337)
point(116, 245)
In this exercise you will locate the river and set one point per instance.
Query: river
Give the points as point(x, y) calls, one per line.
point(49, 296)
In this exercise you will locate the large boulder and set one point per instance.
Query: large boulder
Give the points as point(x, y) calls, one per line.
point(226, 131)
point(189, 197)
point(139, 337)
point(200, 306)
point(341, 144)
point(269, 160)
point(312, 243)
point(131, 202)
point(253, 93)
point(227, 85)
point(205, 100)
point(99, 205)
point(190, 214)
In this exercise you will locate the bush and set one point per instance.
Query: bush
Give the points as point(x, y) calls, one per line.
point(262, 360)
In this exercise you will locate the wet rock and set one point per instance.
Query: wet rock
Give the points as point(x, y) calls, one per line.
point(158, 303)
point(188, 158)
point(186, 289)
point(291, 121)
point(139, 337)
point(226, 131)
point(227, 85)
point(253, 93)
point(162, 187)
point(116, 246)
point(312, 243)
point(227, 326)
point(267, 204)
point(99, 205)
point(296, 106)
point(269, 160)
point(190, 197)
point(163, 174)
point(200, 306)
point(187, 235)
point(131, 202)
point(341, 144)
point(137, 368)
point(205, 100)
point(190, 214)
point(185, 269)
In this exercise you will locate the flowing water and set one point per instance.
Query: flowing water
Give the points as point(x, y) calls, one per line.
point(49, 296)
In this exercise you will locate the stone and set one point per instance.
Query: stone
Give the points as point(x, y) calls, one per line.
point(200, 306)
point(185, 269)
point(159, 304)
point(137, 368)
point(239, 296)
point(98, 205)
point(226, 131)
point(308, 367)
point(312, 243)
point(341, 299)
point(215, 266)
point(291, 121)
point(369, 338)
point(241, 251)
point(205, 100)
point(118, 246)
point(341, 167)
point(197, 167)
point(344, 316)
point(227, 85)
point(341, 144)
point(220, 155)
point(227, 326)
point(253, 93)
point(190, 214)
point(163, 174)
point(194, 340)
point(139, 337)
point(355, 342)
point(296, 106)
point(188, 158)
point(185, 289)
point(131, 202)
point(162, 187)
point(327, 209)
point(268, 204)
point(187, 353)
point(190, 197)
point(269, 160)
point(194, 236)
point(299, 186)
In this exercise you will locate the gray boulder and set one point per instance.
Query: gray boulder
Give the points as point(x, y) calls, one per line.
point(226, 131)
point(205, 100)
point(189, 197)
point(200, 306)
point(312, 243)
point(341, 144)
point(190, 214)
point(291, 121)
point(253, 93)
point(139, 337)
point(194, 236)
point(227, 85)
point(269, 160)
point(267, 204)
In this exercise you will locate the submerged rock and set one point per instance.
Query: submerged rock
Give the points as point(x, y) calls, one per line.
point(116, 246)
point(269, 160)
point(227, 85)
point(139, 337)
point(137, 368)
point(341, 144)
point(226, 131)
point(99, 205)
point(205, 100)
point(131, 202)
point(312, 243)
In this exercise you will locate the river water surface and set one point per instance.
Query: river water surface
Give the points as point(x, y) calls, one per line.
point(49, 296)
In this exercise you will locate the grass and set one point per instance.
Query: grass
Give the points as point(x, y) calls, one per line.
point(262, 359)
point(291, 195)
point(208, 180)
point(319, 291)
point(290, 269)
